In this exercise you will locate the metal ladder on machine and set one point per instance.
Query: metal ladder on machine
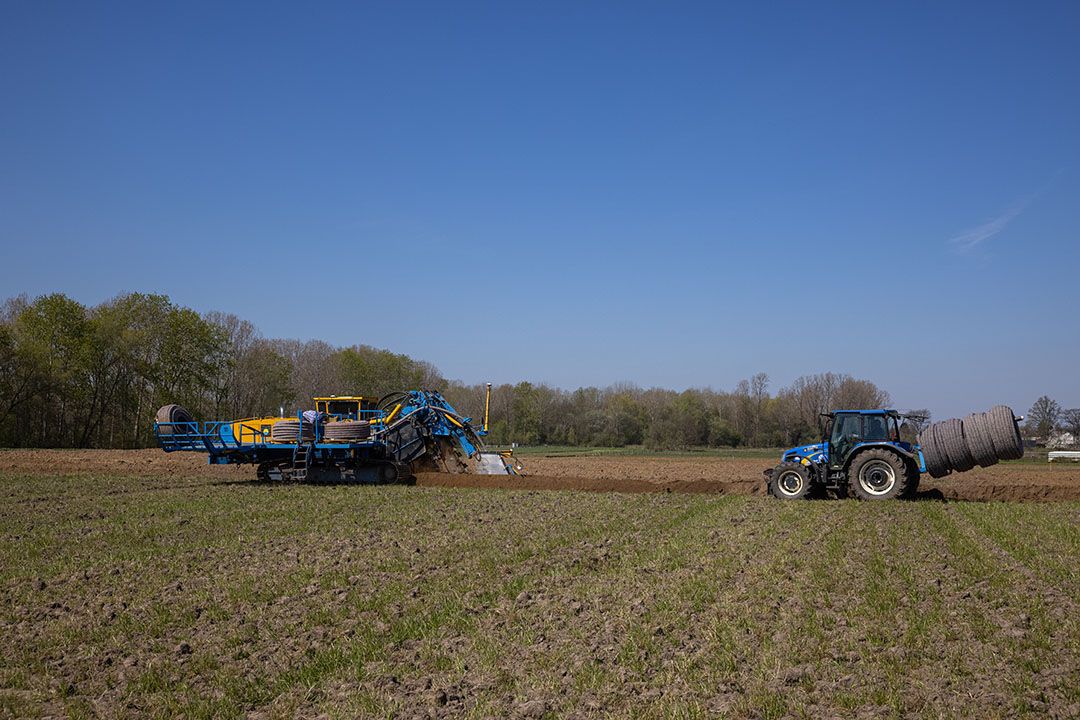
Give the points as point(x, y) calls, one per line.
point(301, 461)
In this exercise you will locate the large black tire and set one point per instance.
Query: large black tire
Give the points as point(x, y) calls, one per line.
point(790, 481)
point(980, 443)
point(912, 488)
point(172, 414)
point(951, 432)
point(937, 464)
point(878, 474)
point(1005, 432)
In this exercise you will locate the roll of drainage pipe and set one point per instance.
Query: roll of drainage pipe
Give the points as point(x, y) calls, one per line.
point(346, 431)
point(292, 432)
point(172, 414)
point(979, 439)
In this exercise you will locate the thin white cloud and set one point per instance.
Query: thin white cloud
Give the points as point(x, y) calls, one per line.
point(973, 237)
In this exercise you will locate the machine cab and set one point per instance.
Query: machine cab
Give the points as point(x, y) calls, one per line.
point(347, 407)
point(847, 429)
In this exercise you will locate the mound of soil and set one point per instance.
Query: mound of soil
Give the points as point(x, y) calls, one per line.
point(587, 484)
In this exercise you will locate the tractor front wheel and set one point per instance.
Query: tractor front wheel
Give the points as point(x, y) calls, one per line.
point(790, 481)
point(878, 475)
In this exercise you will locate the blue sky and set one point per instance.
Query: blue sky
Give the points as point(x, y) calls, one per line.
point(673, 194)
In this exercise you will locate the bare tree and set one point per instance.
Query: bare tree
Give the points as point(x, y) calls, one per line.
point(918, 419)
point(1043, 417)
point(1070, 419)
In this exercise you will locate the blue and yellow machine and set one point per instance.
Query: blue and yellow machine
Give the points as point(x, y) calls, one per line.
point(345, 439)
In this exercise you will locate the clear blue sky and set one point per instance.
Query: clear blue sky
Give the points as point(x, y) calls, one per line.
point(578, 193)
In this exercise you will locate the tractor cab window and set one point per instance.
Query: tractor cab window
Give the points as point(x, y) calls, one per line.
point(894, 428)
point(874, 429)
point(846, 432)
point(847, 427)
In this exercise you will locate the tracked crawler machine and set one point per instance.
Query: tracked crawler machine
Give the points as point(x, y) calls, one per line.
point(864, 454)
point(346, 439)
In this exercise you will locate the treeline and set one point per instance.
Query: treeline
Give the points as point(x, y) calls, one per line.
point(1050, 424)
point(664, 419)
point(77, 376)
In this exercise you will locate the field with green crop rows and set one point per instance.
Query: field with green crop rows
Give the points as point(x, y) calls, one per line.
point(169, 596)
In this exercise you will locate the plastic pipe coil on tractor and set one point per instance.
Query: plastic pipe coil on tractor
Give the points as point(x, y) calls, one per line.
point(287, 432)
point(979, 439)
point(346, 431)
point(172, 414)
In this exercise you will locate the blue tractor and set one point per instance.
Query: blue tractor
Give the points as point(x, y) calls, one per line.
point(862, 454)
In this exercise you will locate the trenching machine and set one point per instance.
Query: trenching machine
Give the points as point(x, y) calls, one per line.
point(345, 439)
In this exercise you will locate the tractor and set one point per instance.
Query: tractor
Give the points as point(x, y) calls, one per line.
point(867, 454)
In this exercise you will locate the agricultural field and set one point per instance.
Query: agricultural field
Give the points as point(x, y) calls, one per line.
point(138, 584)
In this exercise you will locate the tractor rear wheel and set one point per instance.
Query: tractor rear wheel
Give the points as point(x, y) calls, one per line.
point(912, 488)
point(877, 474)
point(790, 481)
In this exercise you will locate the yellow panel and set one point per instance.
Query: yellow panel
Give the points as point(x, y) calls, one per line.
point(254, 430)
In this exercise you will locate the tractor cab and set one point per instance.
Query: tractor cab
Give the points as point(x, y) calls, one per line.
point(846, 430)
point(347, 407)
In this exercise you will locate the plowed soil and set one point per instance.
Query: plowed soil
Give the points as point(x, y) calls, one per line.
point(1018, 481)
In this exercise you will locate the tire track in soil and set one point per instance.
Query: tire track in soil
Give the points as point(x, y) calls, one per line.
point(1010, 614)
point(1049, 592)
point(610, 610)
point(680, 625)
point(733, 622)
point(1051, 556)
point(526, 574)
point(606, 611)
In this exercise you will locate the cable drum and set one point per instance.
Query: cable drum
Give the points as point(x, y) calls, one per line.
point(173, 414)
point(937, 463)
point(979, 440)
point(346, 431)
point(950, 434)
point(292, 432)
point(1005, 433)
